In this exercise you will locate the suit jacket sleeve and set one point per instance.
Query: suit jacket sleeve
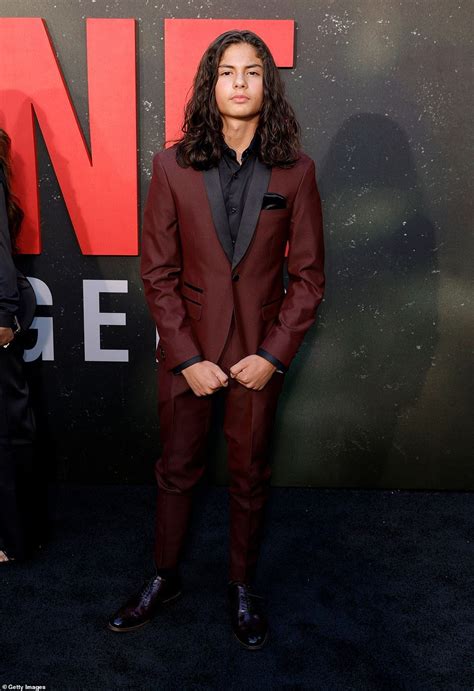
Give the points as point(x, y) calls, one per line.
point(191, 361)
point(305, 272)
point(161, 264)
point(279, 365)
point(9, 296)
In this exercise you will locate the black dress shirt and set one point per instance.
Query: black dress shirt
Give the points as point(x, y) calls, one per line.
point(235, 179)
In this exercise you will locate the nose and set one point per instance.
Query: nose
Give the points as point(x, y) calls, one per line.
point(239, 79)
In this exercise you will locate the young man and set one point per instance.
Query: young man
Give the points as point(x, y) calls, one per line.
point(222, 204)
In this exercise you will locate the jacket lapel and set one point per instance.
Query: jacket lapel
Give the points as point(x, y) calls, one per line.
point(250, 213)
point(253, 204)
point(219, 213)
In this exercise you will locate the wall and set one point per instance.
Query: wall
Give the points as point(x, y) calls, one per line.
point(378, 394)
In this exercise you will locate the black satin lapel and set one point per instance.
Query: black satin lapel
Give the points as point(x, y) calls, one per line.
point(253, 204)
point(218, 210)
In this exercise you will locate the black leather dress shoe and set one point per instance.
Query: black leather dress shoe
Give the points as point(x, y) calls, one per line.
point(249, 622)
point(143, 606)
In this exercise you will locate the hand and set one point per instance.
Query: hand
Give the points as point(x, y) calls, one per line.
point(205, 377)
point(6, 335)
point(252, 371)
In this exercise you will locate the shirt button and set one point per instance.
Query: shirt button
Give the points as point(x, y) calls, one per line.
point(233, 210)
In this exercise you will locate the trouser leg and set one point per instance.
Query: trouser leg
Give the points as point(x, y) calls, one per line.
point(17, 432)
point(18, 514)
point(184, 424)
point(248, 424)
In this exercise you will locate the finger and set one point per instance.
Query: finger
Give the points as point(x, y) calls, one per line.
point(217, 383)
point(221, 377)
point(243, 382)
point(235, 369)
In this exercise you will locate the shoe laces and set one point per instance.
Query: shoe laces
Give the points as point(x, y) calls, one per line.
point(247, 599)
point(148, 586)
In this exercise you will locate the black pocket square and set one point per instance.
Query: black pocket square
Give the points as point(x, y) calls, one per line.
point(272, 200)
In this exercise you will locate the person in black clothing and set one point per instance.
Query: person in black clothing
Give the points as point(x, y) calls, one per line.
point(17, 424)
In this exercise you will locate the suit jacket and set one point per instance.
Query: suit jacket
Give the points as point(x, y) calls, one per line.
point(195, 278)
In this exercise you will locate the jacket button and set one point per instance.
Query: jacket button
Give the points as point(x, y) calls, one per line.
point(235, 277)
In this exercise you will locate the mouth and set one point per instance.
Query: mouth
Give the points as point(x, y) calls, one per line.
point(240, 99)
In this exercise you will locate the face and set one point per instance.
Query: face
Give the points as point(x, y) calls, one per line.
point(239, 86)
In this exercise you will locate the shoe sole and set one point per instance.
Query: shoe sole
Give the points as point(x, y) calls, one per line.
point(252, 647)
point(118, 629)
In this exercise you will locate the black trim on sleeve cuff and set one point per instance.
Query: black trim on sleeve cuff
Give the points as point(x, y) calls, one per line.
point(179, 368)
point(7, 320)
point(279, 365)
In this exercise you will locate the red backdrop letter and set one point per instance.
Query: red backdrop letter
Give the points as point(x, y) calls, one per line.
point(100, 186)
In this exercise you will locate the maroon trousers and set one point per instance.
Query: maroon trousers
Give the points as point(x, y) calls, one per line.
point(184, 425)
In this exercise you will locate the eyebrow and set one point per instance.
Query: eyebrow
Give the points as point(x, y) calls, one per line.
point(247, 66)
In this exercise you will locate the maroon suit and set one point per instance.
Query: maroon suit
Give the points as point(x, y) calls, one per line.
point(211, 298)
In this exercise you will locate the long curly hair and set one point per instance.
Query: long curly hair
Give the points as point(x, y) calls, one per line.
point(202, 142)
point(14, 211)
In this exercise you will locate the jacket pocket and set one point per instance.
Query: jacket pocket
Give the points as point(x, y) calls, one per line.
point(193, 308)
point(275, 212)
point(192, 287)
